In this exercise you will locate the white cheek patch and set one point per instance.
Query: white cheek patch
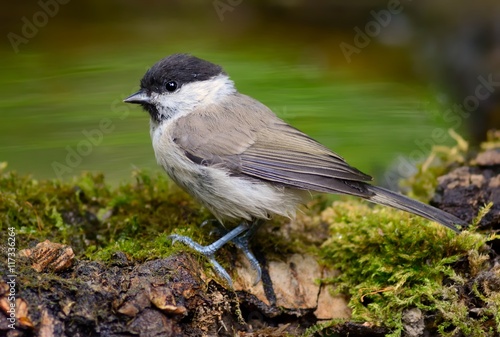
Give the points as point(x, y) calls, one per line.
point(191, 95)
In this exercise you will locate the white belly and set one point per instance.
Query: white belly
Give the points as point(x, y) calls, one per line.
point(227, 197)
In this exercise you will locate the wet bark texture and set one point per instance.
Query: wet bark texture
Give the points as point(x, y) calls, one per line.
point(162, 297)
point(464, 190)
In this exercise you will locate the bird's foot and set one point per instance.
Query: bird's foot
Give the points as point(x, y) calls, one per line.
point(210, 250)
point(240, 236)
point(241, 242)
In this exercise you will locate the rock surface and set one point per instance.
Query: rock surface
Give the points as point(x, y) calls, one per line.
point(464, 190)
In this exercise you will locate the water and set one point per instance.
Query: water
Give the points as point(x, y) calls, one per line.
point(61, 111)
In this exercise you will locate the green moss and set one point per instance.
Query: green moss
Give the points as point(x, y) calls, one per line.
point(391, 261)
point(96, 219)
point(321, 327)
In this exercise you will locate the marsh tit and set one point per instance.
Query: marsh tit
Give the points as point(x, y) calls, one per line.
point(241, 161)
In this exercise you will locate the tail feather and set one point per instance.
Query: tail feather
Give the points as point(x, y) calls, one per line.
point(386, 197)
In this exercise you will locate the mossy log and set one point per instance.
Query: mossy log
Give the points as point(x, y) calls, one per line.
point(92, 260)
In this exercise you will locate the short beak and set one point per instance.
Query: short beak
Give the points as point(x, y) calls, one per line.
point(139, 97)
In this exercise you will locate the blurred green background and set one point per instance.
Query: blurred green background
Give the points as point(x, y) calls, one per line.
point(66, 66)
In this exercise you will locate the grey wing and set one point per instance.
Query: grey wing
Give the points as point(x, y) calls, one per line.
point(285, 155)
point(262, 146)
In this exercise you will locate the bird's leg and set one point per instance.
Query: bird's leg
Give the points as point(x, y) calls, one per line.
point(210, 250)
point(243, 242)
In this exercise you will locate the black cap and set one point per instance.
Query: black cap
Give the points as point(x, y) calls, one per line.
point(179, 68)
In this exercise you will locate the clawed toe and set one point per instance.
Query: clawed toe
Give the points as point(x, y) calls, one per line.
point(189, 242)
point(243, 244)
point(239, 236)
point(219, 270)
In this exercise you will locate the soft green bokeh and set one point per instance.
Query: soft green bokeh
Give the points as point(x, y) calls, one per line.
point(70, 77)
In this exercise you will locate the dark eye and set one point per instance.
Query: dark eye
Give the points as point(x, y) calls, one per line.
point(171, 86)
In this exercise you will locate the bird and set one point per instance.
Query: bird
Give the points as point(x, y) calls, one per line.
point(242, 162)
